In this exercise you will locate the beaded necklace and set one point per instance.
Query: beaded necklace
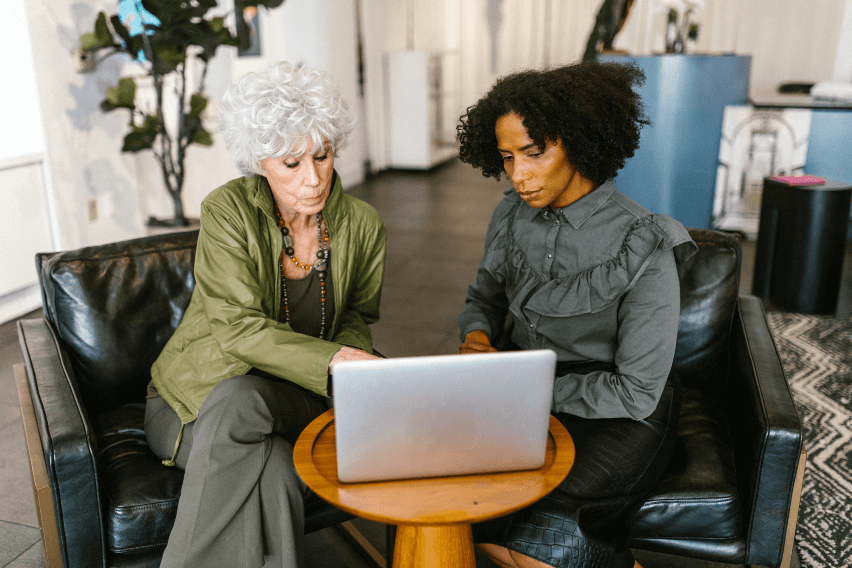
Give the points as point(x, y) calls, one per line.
point(320, 265)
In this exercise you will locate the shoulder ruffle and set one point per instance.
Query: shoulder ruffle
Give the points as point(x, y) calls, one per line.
point(598, 287)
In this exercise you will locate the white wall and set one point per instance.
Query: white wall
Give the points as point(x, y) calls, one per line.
point(843, 57)
point(789, 40)
point(84, 143)
point(322, 34)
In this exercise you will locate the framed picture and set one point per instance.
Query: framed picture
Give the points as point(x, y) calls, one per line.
point(756, 143)
point(250, 19)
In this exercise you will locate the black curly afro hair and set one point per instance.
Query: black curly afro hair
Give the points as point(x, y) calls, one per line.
point(591, 106)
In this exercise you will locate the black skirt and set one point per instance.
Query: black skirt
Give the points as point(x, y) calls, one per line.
point(583, 522)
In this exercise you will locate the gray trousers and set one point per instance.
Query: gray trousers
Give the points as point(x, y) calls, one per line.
point(242, 502)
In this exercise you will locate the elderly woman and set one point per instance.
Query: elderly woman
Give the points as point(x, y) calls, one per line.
point(589, 273)
point(288, 276)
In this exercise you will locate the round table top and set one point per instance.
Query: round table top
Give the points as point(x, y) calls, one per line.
point(434, 500)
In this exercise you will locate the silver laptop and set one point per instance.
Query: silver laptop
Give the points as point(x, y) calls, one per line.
point(442, 415)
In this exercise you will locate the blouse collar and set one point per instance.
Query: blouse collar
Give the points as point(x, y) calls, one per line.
point(579, 212)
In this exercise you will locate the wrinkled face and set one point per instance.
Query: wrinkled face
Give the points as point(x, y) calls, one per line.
point(541, 176)
point(301, 184)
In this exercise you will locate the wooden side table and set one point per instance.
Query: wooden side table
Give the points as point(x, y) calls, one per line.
point(433, 515)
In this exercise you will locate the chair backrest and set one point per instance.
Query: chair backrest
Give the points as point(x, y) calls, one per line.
point(709, 288)
point(115, 306)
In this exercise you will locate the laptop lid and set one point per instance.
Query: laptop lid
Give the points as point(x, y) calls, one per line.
point(442, 415)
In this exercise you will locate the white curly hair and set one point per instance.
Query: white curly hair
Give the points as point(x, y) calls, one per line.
point(277, 112)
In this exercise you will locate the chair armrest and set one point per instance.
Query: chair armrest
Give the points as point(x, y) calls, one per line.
point(766, 432)
point(68, 444)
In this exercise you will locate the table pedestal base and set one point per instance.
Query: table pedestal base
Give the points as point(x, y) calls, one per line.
point(424, 546)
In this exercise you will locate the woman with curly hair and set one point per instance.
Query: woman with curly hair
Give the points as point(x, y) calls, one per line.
point(288, 273)
point(585, 271)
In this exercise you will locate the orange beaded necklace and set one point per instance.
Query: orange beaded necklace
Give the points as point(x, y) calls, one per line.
point(320, 265)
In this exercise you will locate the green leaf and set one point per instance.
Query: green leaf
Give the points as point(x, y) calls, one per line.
point(101, 37)
point(89, 41)
point(151, 124)
point(102, 30)
point(196, 105)
point(217, 24)
point(156, 8)
point(142, 137)
point(137, 141)
point(223, 33)
point(122, 96)
point(119, 28)
point(202, 137)
point(209, 35)
point(169, 56)
point(135, 45)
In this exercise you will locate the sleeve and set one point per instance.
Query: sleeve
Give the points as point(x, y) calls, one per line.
point(486, 303)
point(362, 306)
point(227, 278)
point(646, 340)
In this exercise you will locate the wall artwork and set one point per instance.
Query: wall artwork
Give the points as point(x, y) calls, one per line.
point(252, 22)
point(756, 143)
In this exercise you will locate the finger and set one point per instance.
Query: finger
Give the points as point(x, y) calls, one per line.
point(475, 348)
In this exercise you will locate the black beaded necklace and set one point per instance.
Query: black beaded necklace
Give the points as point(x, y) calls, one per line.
point(320, 265)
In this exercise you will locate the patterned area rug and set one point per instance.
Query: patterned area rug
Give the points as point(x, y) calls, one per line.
point(816, 354)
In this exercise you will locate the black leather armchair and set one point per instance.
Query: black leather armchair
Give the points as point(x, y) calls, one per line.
point(103, 498)
point(731, 490)
point(730, 493)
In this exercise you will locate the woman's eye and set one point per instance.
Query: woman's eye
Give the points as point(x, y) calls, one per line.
point(292, 165)
point(506, 158)
point(321, 158)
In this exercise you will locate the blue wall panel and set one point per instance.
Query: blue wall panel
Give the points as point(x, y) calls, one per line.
point(674, 170)
point(830, 145)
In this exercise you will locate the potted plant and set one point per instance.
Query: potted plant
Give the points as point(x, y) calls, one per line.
point(172, 33)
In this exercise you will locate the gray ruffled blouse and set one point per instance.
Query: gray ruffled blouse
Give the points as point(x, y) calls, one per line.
point(596, 280)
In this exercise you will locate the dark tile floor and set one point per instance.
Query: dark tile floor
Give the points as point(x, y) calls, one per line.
point(436, 224)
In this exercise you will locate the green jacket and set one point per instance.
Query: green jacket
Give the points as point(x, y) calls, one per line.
point(231, 324)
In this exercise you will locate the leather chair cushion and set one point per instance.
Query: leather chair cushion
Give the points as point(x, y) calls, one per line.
point(141, 494)
point(709, 286)
point(697, 494)
point(115, 306)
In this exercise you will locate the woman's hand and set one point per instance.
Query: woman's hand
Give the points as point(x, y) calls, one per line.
point(349, 354)
point(476, 342)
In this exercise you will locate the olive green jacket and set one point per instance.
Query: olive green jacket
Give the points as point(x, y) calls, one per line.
point(231, 324)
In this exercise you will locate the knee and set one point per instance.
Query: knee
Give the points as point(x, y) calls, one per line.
point(240, 400)
point(240, 390)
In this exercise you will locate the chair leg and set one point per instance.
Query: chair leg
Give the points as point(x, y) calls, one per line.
point(38, 473)
point(793, 519)
point(364, 546)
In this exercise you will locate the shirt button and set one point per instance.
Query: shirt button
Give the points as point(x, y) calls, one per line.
point(557, 221)
point(550, 256)
point(532, 326)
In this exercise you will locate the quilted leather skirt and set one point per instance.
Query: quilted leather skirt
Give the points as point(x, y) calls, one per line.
point(584, 522)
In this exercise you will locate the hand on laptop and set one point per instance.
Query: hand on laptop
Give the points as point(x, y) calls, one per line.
point(349, 354)
point(476, 342)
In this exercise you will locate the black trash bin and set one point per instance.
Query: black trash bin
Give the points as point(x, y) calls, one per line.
point(801, 243)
